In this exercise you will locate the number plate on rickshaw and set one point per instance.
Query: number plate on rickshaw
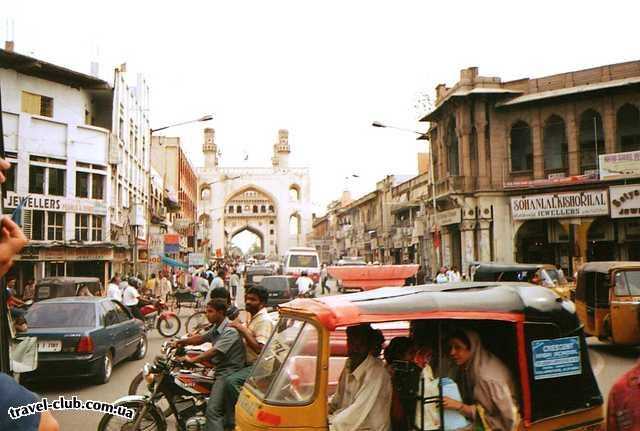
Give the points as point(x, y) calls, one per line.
point(49, 346)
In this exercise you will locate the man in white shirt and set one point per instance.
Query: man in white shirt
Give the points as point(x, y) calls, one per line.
point(130, 298)
point(442, 276)
point(113, 290)
point(363, 397)
point(304, 284)
point(216, 282)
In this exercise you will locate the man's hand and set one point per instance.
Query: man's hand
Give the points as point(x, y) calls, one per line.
point(12, 240)
point(237, 324)
point(4, 165)
point(186, 359)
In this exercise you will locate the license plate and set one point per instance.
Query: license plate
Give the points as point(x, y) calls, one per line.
point(273, 293)
point(49, 346)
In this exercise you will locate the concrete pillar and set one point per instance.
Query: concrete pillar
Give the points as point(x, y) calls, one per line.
point(573, 158)
point(609, 125)
point(483, 166)
point(467, 231)
point(484, 248)
point(445, 240)
point(538, 146)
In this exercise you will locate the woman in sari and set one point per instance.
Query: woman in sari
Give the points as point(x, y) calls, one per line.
point(489, 393)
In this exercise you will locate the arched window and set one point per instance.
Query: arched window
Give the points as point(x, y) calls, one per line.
point(270, 208)
point(591, 132)
point(521, 147)
point(555, 144)
point(230, 209)
point(255, 209)
point(294, 225)
point(294, 193)
point(205, 193)
point(263, 209)
point(628, 128)
point(452, 148)
point(239, 209)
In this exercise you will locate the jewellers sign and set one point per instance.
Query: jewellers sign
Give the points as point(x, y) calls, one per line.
point(56, 203)
point(625, 201)
point(560, 205)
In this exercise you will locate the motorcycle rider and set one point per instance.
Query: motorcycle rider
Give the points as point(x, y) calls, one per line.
point(131, 297)
point(228, 355)
point(305, 285)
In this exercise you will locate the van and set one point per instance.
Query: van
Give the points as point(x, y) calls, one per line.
point(300, 259)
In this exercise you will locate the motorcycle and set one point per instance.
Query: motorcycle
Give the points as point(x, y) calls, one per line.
point(157, 315)
point(185, 390)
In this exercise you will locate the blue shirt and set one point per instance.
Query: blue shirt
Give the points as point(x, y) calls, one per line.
point(228, 343)
point(14, 395)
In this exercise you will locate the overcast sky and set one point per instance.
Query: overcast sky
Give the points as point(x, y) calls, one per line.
point(322, 69)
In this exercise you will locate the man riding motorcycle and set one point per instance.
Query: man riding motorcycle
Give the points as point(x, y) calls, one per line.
point(228, 355)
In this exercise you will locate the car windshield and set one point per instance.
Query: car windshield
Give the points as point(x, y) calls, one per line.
point(61, 315)
point(628, 283)
point(303, 261)
point(286, 370)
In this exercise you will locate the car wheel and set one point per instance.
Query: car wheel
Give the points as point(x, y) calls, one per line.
point(106, 367)
point(141, 351)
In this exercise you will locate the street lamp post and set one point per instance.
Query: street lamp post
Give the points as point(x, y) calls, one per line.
point(432, 179)
point(204, 118)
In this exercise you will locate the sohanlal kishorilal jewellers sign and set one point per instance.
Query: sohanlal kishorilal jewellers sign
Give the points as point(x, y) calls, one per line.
point(625, 201)
point(560, 205)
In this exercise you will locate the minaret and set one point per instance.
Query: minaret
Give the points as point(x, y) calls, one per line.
point(210, 149)
point(281, 150)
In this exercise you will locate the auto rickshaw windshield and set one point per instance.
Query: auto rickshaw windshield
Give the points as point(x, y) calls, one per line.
point(628, 283)
point(286, 370)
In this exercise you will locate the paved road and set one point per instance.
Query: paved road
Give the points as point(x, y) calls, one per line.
point(607, 361)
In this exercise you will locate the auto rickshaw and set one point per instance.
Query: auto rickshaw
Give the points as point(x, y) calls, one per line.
point(531, 329)
point(537, 273)
point(56, 287)
point(607, 301)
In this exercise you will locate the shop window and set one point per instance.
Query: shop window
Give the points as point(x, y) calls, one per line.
point(97, 186)
point(54, 269)
point(628, 128)
point(97, 227)
point(555, 144)
point(55, 226)
point(452, 148)
point(37, 104)
point(521, 147)
point(82, 227)
point(36, 179)
point(56, 181)
point(82, 185)
point(10, 175)
point(591, 140)
point(38, 225)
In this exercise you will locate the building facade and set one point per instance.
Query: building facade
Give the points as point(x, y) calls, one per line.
point(57, 127)
point(519, 167)
point(273, 202)
point(181, 187)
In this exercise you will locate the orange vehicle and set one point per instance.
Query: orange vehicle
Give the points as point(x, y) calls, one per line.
point(535, 333)
point(367, 277)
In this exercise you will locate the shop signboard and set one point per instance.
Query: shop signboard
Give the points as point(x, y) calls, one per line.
point(448, 217)
point(587, 203)
point(156, 243)
point(620, 165)
point(56, 203)
point(172, 243)
point(196, 259)
point(75, 254)
point(625, 201)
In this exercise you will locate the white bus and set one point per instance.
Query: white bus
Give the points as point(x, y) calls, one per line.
point(299, 259)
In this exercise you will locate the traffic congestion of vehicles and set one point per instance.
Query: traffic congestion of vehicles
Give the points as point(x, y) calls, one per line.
point(523, 315)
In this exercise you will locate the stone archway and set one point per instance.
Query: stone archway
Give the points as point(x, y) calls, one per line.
point(254, 210)
point(255, 245)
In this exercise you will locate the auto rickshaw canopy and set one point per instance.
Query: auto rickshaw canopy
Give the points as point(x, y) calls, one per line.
point(606, 266)
point(514, 302)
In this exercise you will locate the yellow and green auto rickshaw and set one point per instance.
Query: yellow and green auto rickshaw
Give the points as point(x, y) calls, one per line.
point(535, 333)
point(607, 301)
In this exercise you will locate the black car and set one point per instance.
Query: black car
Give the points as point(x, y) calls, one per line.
point(281, 288)
point(256, 273)
point(83, 336)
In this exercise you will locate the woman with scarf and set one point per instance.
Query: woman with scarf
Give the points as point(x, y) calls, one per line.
point(489, 393)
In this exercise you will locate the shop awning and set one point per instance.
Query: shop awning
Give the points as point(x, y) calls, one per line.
point(174, 263)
